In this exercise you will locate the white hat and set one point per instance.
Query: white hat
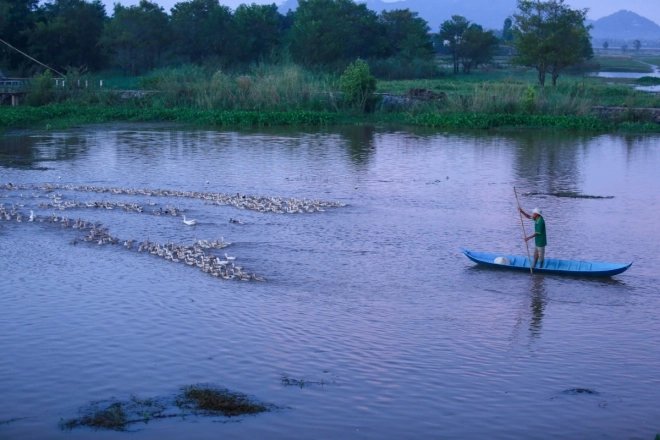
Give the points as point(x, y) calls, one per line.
point(536, 211)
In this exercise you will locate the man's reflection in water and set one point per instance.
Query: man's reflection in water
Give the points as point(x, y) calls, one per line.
point(538, 304)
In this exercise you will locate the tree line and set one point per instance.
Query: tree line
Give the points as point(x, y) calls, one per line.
point(324, 35)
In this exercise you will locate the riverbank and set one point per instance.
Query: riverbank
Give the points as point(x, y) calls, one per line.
point(289, 95)
point(59, 116)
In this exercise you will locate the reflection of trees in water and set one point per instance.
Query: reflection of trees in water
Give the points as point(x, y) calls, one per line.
point(537, 305)
point(550, 161)
point(25, 151)
point(639, 144)
point(360, 142)
point(17, 152)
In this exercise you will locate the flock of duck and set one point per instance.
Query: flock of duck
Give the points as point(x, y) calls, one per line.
point(277, 205)
point(201, 254)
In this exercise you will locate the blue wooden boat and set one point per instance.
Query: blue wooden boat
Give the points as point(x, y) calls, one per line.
point(550, 265)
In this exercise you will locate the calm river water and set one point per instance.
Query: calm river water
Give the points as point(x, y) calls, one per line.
point(370, 324)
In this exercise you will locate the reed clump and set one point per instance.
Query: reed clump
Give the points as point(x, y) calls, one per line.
point(266, 88)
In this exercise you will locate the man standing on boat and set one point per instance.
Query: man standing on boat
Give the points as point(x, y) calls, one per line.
point(541, 240)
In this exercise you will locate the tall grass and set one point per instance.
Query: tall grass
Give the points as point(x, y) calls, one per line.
point(265, 88)
point(574, 96)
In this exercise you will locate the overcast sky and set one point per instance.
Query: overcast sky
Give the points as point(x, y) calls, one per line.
point(597, 8)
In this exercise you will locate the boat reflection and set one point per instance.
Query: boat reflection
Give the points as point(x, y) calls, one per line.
point(538, 301)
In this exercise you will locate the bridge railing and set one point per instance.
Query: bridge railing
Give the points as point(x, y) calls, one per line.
point(11, 84)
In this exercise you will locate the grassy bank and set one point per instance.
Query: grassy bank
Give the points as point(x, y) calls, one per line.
point(289, 95)
point(69, 114)
point(60, 116)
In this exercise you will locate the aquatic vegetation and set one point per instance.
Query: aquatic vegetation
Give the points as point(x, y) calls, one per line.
point(288, 382)
point(502, 120)
point(55, 116)
point(208, 399)
point(569, 194)
point(111, 417)
point(574, 391)
point(117, 415)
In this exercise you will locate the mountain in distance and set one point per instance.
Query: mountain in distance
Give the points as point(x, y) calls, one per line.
point(625, 25)
point(488, 13)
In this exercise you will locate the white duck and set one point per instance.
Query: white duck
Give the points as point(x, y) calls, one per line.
point(190, 222)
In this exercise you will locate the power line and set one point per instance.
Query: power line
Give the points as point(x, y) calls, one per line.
point(36, 61)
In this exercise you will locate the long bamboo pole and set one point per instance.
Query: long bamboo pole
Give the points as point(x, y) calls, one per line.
point(523, 230)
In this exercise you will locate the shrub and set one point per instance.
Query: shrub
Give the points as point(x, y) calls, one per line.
point(41, 90)
point(528, 101)
point(357, 84)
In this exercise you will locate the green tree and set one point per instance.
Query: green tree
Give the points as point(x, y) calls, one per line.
point(357, 84)
point(606, 45)
point(477, 46)
point(637, 45)
point(451, 36)
point(203, 29)
point(467, 42)
point(137, 36)
point(259, 29)
point(16, 24)
point(331, 32)
point(550, 36)
point(67, 33)
point(407, 34)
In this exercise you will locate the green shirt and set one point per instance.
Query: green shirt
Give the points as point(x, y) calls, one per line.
point(541, 239)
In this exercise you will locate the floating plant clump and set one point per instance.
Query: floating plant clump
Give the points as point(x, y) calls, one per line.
point(204, 400)
point(213, 400)
point(568, 194)
point(117, 415)
point(288, 382)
